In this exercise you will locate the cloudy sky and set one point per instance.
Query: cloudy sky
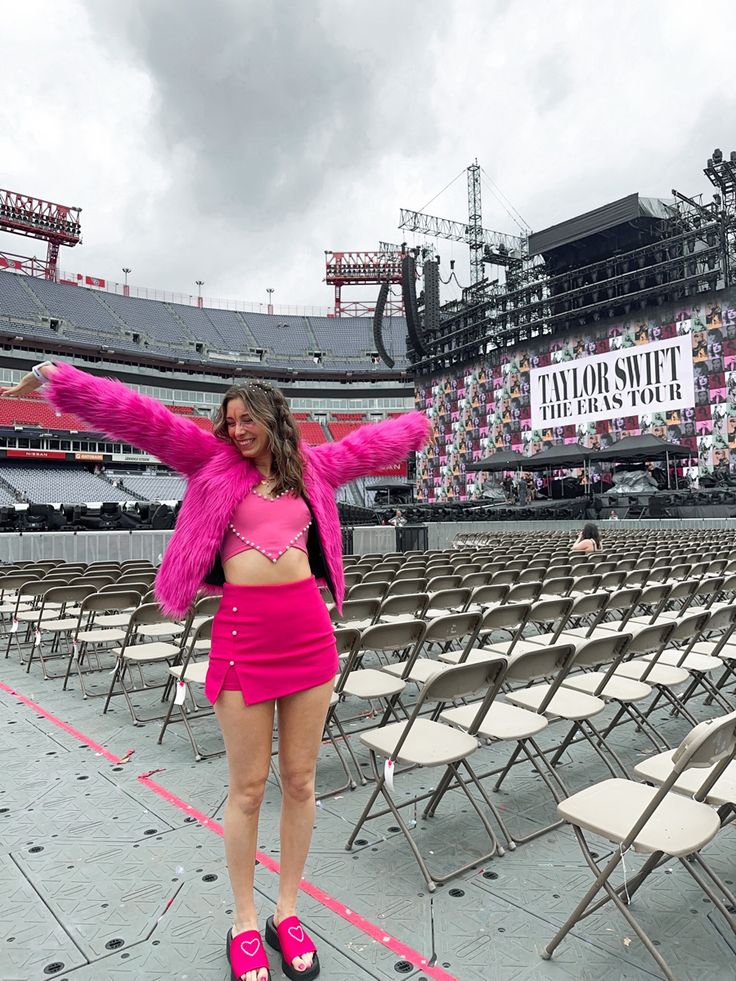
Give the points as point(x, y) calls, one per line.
point(235, 141)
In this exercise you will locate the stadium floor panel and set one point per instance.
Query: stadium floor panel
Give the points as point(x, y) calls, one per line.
point(112, 867)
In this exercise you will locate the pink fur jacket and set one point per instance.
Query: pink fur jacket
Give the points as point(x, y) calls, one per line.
point(218, 477)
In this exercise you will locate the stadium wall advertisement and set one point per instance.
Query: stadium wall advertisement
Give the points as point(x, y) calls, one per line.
point(671, 373)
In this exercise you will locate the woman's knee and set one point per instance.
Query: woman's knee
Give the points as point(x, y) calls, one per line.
point(298, 784)
point(247, 797)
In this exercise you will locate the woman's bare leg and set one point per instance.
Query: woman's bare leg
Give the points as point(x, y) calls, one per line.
point(248, 734)
point(301, 726)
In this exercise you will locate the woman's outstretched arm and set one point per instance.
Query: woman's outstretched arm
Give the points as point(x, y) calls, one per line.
point(371, 447)
point(110, 407)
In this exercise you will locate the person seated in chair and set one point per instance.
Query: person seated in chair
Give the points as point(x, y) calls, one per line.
point(589, 539)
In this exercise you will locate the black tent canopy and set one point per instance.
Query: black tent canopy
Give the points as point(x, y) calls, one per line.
point(503, 460)
point(640, 449)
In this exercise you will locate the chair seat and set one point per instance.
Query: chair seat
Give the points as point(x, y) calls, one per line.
point(396, 618)
point(196, 672)
point(679, 826)
point(532, 643)
point(157, 651)
point(431, 613)
point(566, 703)
point(502, 721)
point(356, 624)
point(11, 607)
point(656, 769)
point(29, 616)
point(693, 662)
point(113, 620)
point(422, 669)
point(95, 636)
point(59, 626)
point(429, 743)
point(476, 655)
point(620, 689)
point(372, 683)
point(161, 629)
point(661, 674)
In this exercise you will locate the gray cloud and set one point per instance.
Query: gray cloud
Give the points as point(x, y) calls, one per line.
point(264, 103)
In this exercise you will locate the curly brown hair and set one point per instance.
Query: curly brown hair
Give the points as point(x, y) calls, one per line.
point(268, 406)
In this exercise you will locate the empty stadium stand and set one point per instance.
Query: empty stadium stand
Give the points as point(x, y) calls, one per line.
point(98, 319)
point(45, 484)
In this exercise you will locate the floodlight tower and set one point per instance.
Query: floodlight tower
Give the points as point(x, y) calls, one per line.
point(56, 224)
point(722, 175)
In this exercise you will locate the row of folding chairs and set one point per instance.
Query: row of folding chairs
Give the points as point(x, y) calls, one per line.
point(506, 695)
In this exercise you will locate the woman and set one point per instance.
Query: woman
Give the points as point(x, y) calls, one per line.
point(589, 540)
point(259, 520)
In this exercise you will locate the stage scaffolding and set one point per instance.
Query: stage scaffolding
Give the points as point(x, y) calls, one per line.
point(629, 256)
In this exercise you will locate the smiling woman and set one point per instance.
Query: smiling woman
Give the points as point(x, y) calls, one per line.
point(259, 521)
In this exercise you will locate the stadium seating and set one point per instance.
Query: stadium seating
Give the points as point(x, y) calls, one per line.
point(340, 429)
point(44, 484)
point(96, 318)
point(312, 433)
point(154, 487)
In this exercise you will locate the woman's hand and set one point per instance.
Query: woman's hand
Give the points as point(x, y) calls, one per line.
point(29, 383)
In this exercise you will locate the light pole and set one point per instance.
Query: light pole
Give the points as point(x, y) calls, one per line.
point(200, 284)
point(270, 290)
point(126, 288)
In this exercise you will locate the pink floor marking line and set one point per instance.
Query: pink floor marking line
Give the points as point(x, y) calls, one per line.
point(75, 733)
point(334, 905)
point(329, 902)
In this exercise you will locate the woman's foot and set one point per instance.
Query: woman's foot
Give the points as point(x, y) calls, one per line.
point(304, 962)
point(251, 946)
point(285, 933)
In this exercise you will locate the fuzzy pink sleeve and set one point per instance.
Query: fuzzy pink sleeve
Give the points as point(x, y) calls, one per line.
point(371, 447)
point(110, 407)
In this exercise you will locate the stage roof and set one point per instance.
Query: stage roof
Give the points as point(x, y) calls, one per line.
point(592, 222)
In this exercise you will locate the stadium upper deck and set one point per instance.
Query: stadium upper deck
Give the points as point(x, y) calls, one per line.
point(43, 311)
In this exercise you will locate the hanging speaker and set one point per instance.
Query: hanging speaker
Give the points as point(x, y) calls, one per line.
point(431, 298)
point(378, 326)
point(409, 295)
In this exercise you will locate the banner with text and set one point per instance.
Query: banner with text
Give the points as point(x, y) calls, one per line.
point(631, 381)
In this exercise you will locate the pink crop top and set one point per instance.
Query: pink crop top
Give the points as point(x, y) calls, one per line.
point(269, 525)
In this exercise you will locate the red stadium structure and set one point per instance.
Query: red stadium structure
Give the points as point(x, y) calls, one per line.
point(57, 224)
point(363, 269)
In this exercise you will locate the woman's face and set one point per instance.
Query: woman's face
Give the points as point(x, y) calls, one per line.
point(250, 436)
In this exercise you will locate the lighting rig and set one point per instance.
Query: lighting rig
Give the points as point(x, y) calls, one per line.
point(56, 224)
point(629, 256)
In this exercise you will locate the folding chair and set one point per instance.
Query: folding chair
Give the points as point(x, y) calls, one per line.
point(346, 640)
point(443, 631)
point(136, 654)
point(357, 613)
point(191, 673)
point(62, 601)
point(424, 743)
point(447, 601)
point(93, 636)
point(658, 822)
point(409, 606)
point(510, 618)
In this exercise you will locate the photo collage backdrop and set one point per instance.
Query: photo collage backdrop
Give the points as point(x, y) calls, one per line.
point(484, 407)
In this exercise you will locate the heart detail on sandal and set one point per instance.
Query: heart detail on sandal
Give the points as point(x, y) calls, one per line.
point(249, 947)
point(296, 933)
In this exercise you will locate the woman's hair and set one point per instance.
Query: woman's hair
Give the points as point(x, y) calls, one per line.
point(268, 406)
point(591, 533)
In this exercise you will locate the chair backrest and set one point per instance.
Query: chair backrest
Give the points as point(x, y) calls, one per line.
point(652, 638)
point(131, 587)
point(557, 587)
point(530, 665)
point(461, 681)
point(403, 603)
point(14, 581)
point(450, 626)
point(207, 606)
point(68, 594)
point(437, 583)
point(475, 579)
point(402, 586)
point(602, 650)
point(709, 743)
point(146, 614)
point(357, 609)
point(120, 600)
point(368, 590)
point(510, 616)
point(450, 599)
point(489, 594)
point(520, 592)
point(393, 636)
point(550, 609)
point(378, 575)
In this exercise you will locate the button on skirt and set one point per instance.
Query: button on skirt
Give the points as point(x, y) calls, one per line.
point(277, 640)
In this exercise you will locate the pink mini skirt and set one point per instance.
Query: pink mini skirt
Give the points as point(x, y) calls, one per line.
point(271, 641)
